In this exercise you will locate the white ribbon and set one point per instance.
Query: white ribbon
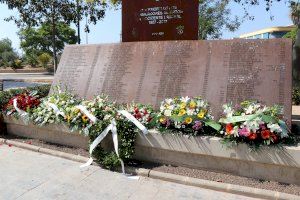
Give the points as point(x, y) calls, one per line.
point(87, 113)
point(21, 112)
point(116, 142)
point(113, 128)
point(131, 118)
point(56, 110)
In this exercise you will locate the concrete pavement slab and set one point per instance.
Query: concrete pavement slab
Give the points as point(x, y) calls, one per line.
point(31, 175)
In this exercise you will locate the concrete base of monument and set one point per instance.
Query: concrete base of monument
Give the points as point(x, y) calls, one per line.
point(267, 163)
point(50, 133)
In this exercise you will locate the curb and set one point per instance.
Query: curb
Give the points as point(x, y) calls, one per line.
point(212, 185)
point(51, 152)
point(223, 187)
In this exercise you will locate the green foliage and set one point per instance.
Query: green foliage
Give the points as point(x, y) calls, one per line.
point(5, 96)
point(214, 17)
point(292, 35)
point(5, 45)
point(110, 161)
point(44, 59)
point(37, 13)
point(126, 135)
point(17, 64)
point(296, 96)
point(7, 54)
point(31, 59)
point(37, 41)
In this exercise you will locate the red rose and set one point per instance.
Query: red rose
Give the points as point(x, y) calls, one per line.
point(145, 112)
point(138, 116)
point(229, 128)
point(149, 119)
point(266, 134)
point(275, 138)
point(252, 136)
point(136, 110)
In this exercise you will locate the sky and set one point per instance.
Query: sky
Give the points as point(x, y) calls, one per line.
point(109, 29)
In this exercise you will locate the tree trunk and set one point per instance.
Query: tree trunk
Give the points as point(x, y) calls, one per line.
point(54, 37)
point(296, 60)
point(78, 22)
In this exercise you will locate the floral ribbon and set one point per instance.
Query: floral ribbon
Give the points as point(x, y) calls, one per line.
point(235, 119)
point(87, 113)
point(56, 110)
point(131, 118)
point(113, 128)
point(21, 112)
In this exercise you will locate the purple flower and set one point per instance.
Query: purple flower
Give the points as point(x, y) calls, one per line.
point(198, 125)
point(237, 106)
point(168, 123)
point(262, 127)
point(245, 132)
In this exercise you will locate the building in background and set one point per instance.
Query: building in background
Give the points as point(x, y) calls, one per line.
point(269, 33)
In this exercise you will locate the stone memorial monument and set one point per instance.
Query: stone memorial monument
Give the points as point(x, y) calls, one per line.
point(148, 72)
point(152, 20)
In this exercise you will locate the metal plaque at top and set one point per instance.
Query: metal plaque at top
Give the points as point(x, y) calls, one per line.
point(147, 72)
point(154, 20)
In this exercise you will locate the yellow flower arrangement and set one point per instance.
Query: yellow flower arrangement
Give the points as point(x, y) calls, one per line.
point(181, 112)
point(193, 104)
point(188, 120)
point(162, 120)
point(84, 119)
point(183, 105)
point(68, 118)
point(76, 110)
point(201, 114)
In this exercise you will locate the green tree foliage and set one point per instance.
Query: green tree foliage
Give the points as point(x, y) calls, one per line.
point(34, 13)
point(292, 35)
point(36, 41)
point(214, 17)
point(44, 59)
point(7, 54)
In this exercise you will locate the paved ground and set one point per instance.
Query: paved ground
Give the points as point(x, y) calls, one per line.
point(16, 84)
point(19, 78)
point(30, 175)
point(25, 76)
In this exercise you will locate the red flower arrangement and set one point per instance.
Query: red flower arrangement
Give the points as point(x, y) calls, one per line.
point(25, 102)
point(143, 113)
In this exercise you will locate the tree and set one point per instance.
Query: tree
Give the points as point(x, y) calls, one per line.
point(292, 35)
point(7, 54)
point(36, 41)
point(44, 59)
point(34, 13)
point(93, 10)
point(295, 15)
point(214, 17)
